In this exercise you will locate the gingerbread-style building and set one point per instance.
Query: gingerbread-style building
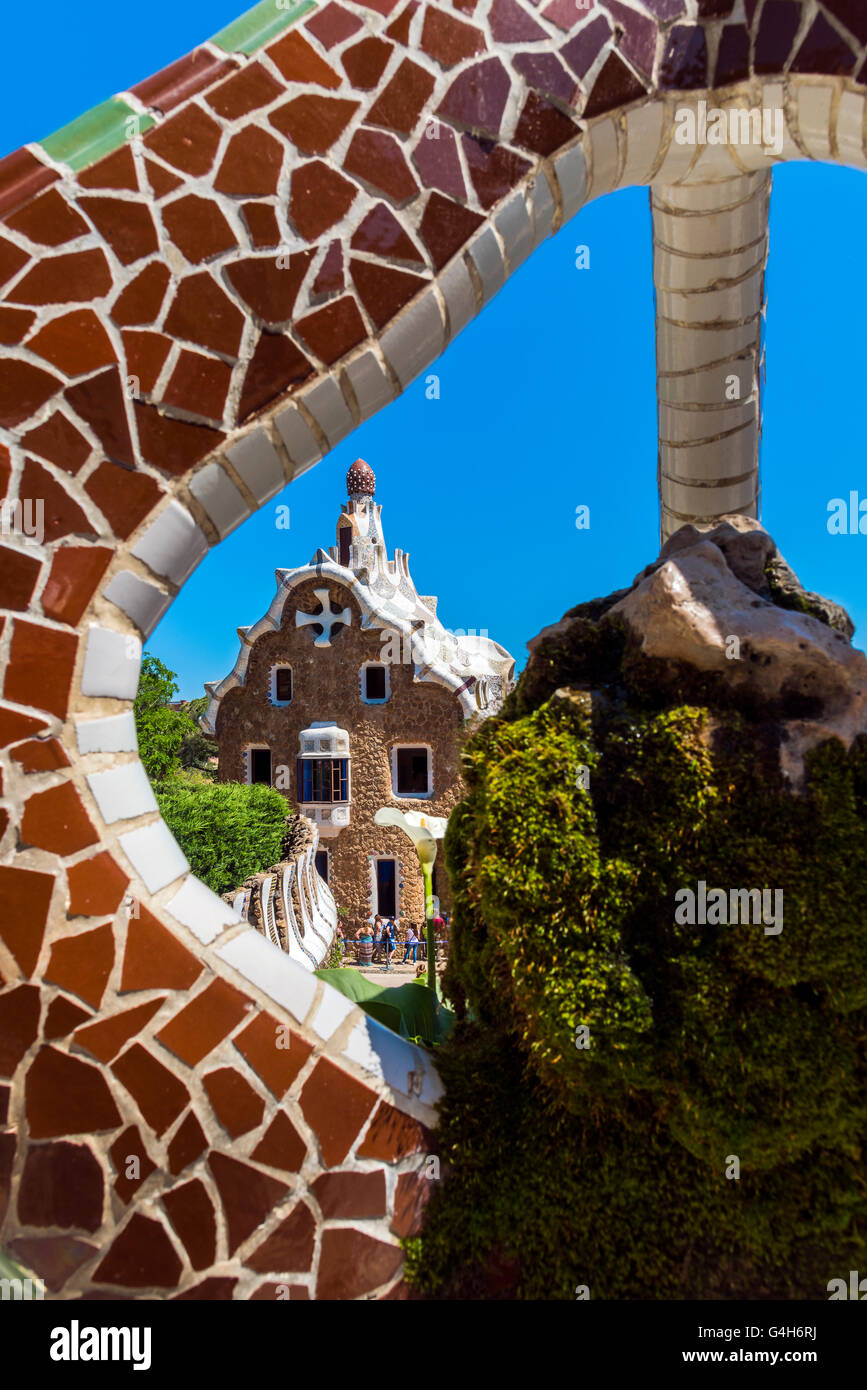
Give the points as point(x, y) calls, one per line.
point(350, 695)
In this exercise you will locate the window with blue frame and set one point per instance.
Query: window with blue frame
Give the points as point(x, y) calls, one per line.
point(323, 779)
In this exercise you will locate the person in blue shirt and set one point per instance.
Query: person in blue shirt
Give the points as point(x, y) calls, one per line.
point(389, 941)
point(411, 944)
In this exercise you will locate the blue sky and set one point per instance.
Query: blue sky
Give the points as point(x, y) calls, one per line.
point(547, 400)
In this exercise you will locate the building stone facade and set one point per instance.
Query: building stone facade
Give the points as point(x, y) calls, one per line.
point(349, 696)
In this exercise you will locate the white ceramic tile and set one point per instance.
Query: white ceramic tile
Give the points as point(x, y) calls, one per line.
point(220, 498)
point(113, 735)
point(255, 459)
point(675, 272)
point(111, 663)
point(459, 293)
point(680, 349)
point(814, 119)
point(715, 233)
point(389, 1058)
point(677, 426)
point(605, 159)
point(330, 411)
point(172, 545)
point(571, 170)
point(332, 1011)
point(543, 206)
point(155, 855)
point(487, 256)
point(197, 907)
point(141, 601)
point(513, 224)
point(850, 127)
point(370, 383)
point(415, 339)
point(710, 386)
point(299, 439)
point(122, 792)
point(643, 140)
point(730, 457)
point(275, 973)
point(774, 99)
point(707, 501)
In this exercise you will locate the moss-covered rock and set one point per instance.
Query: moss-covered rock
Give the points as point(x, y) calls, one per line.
point(610, 1062)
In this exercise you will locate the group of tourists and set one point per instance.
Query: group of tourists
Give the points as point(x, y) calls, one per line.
point(377, 941)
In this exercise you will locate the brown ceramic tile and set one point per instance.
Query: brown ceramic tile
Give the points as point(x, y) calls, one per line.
point(63, 517)
point(411, 1196)
point(261, 220)
point(236, 1105)
point(25, 896)
point(638, 40)
point(12, 258)
point(437, 160)
point(684, 62)
point(181, 80)
point(248, 1196)
point(850, 13)
point(450, 40)
point(78, 276)
point(128, 1146)
point(733, 56)
point(365, 62)
point(53, 1258)
point(512, 24)
point(251, 165)
point(546, 74)
point(329, 277)
point(186, 1144)
point(382, 235)
point(192, 1215)
point(616, 85)
point(268, 289)
point(320, 197)
point(76, 343)
point(392, 1135)
point(22, 175)
point(335, 1106)
point(82, 964)
point(63, 1017)
point(72, 581)
point(107, 1036)
point(377, 160)
point(116, 170)
point(299, 62)
point(202, 313)
point(187, 141)
point(123, 497)
point(542, 128)
point(40, 754)
point(173, 445)
point(197, 227)
point(14, 324)
point(275, 367)
point(162, 182)
point(4, 815)
point(401, 102)
point(567, 13)
point(313, 122)
point(19, 1025)
point(205, 1021)
point(159, 1094)
point(332, 24)
point(249, 89)
point(39, 672)
point(445, 227)
point(477, 98)
point(23, 389)
point(261, 1043)
point(140, 1257)
point(61, 1185)
point(333, 331)
point(352, 1264)
point(271, 1291)
point(823, 50)
point(289, 1248)
point(146, 351)
point(342, 1196)
point(66, 1096)
point(7, 1159)
point(383, 291)
point(154, 958)
point(142, 299)
point(383, 7)
point(48, 220)
point(281, 1146)
point(209, 1291)
point(5, 1092)
point(582, 51)
point(100, 401)
point(19, 572)
point(399, 28)
point(199, 385)
point(59, 441)
point(127, 226)
point(57, 821)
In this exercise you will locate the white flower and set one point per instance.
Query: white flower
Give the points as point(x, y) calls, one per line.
point(423, 830)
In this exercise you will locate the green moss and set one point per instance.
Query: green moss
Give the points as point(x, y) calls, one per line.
point(605, 1165)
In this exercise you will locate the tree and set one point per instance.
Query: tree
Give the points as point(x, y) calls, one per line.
point(227, 830)
point(161, 731)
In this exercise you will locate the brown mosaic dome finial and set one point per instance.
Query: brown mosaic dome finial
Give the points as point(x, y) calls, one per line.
point(360, 478)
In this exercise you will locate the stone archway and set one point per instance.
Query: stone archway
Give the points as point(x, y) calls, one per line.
point(208, 282)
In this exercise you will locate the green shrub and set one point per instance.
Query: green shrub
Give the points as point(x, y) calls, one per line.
point(227, 830)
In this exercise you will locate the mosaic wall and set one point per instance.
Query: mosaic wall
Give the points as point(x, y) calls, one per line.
point(206, 283)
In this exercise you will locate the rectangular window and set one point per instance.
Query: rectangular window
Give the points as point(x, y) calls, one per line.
point(412, 771)
point(323, 779)
point(374, 682)
point(344, 536)
point(283, 684)
point(260, 765)
point(386, 896)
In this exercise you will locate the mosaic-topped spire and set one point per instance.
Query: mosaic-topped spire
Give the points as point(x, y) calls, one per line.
point(360, 480)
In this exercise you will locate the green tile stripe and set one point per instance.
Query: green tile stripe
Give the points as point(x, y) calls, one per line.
point(99, 131)
point(251, 30)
